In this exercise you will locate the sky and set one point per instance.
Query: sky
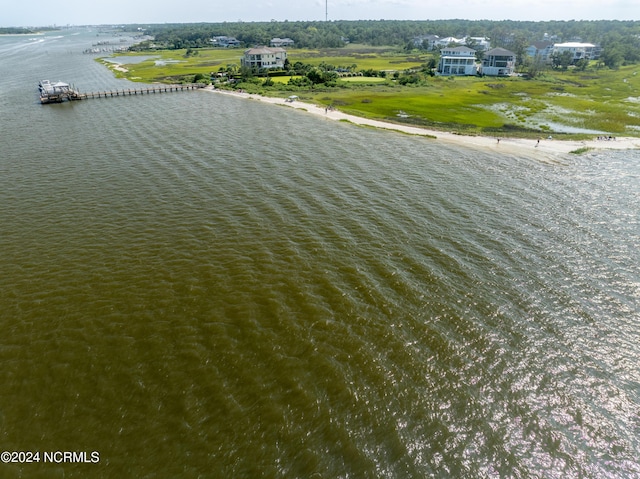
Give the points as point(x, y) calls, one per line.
point(79, 12)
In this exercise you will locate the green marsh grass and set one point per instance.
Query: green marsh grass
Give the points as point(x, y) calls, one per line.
point(365, 57)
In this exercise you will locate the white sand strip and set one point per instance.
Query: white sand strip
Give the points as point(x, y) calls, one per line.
point(504, 145)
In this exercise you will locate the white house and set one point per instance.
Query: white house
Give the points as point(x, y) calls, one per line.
point(479, 43)
point(428, 41)
point(498, 62)
point(264, 57)
point(446, 41)
point(457, 61)
point(587, 51)
point(433, 42)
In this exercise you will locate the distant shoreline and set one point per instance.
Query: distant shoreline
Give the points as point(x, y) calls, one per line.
point(20, 34)
point(532, 147)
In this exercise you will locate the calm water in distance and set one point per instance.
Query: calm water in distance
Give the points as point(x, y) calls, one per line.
point(194, 285)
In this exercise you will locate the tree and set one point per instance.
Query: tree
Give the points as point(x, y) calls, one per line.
point(513, 35)
point(582, 64)
point(561, 60)
point(471, 43)
point(612, 58)
point(535, 66)
point(430, 66)
point(246, 73)
point(409, 79)
point(519, 44)
point(315, 75)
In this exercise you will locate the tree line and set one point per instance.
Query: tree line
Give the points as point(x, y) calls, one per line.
point(620, 40)
point(15, 31)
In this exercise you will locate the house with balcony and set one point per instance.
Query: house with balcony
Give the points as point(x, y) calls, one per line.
point(498, 62)
point(578, 50)
point(264, 57)
point(457, 61)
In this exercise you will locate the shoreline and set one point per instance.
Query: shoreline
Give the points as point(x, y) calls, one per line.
point(494, 143)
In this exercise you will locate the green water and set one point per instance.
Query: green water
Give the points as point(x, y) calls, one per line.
point(194, 285)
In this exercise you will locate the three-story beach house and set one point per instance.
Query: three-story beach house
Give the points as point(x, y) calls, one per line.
point(264, 57)
point(578, 50)
point(498, 62)
point(457, 61)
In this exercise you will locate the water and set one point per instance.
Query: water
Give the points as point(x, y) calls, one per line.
point(202, 286)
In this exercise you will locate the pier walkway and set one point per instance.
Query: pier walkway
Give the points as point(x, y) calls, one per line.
point(73, 95)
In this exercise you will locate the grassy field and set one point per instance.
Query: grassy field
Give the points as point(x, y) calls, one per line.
point(366, 58)
point(363, 80)
point(573, 103)
point(170, 64)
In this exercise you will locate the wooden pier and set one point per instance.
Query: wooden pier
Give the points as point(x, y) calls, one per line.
point(73, 95)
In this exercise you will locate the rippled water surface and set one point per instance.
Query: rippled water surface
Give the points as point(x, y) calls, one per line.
point(195, 285)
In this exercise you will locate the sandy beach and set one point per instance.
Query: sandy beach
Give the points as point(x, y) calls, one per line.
point(543, 147)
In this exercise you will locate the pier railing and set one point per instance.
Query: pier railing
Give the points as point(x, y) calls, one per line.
point(76, 95)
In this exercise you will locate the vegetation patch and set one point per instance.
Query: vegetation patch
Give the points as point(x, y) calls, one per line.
point(581, 151)
point(363, 79)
